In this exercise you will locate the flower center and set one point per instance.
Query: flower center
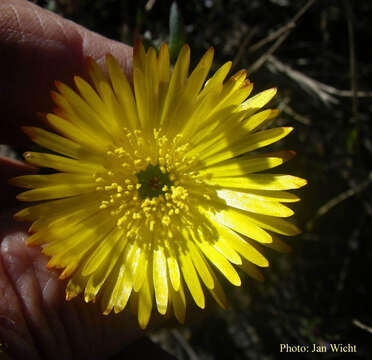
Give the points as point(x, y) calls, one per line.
point(153, 182)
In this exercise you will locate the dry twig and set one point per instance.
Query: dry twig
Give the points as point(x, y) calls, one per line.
point(306, 82)
point(185, 345)
point(352, 58)
point(284, 29)
point(295, 115)
point(262, 59)
point(339, 199)
point(323, 91)
point(362, 326)
point(247, 39)
point(286, 108)
point(280, 35)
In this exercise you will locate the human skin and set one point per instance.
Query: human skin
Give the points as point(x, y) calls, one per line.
point(38, 47)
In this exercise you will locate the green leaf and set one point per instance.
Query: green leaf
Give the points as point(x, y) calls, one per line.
point(51, 6)
point(177, 33)
point(351, 140)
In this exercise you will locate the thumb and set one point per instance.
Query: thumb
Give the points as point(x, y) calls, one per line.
point(38, 47)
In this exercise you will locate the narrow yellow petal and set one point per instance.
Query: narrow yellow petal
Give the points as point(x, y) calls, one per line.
point(230, 87)
point(55, 192)
point(242, 246)
point(268, 195)
point(123, 92)
point(258, 101)
point(217, 120)
point(240, 222)
point(152, 91)
point(219, 134)
point(72, 132)
point(68, 269)
point(245, 201)
point(163, 69)
point(259, 182)
point(145, 302)
point(87, 118)
point(202, 114)
point(179, 303)
point(112, 281)
point(176, 84)
point(139, 55)
point(270, 223)
point(100, 254)
point(104, 265)
point(141, 270)
point(173, 267)
point(259, 119)
point(119, 283)
point(69, 224)
point(62, 163)
point(160, 278)
point(181, 68)
point(121, 288)
point(140, 91)
point(36, 181)
point(244, 166)
point(124, 288)
point(252, 142)
point(199, 74)
point(279, 245)
point(217, 79)
point(63, 224)
point(186, 106)
point(74, 287)
point(64, 217)
point(144, 259)
point(227, 251)
point(89, 95)
point(109, 114)
point(54, 142)
point(218, 260)
point(191, 278)
point(217, 292)
point(200, 266)
point(251, 270)
point(76, 246)
point(97, 76)
point(54, 208)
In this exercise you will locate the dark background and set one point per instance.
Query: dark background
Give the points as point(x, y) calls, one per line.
point(318, 53)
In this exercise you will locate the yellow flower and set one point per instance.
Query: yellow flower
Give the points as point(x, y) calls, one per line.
point(155, 184)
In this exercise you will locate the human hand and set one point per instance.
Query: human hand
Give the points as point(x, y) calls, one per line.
point(36, 48)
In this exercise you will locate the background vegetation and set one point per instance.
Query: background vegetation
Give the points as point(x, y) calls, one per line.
point(318, 53)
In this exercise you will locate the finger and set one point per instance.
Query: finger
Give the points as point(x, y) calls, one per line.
point(18, 263)
point(38, 47)
point(36, 321)
point(14, 333)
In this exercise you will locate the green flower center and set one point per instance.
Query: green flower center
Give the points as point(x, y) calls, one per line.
point(153, 182)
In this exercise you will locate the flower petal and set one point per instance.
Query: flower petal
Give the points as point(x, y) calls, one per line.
point(191, 278)
point(241, 223)
point(160, 279)
point(245, 201)
point(259, 182)
point(252, 142)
